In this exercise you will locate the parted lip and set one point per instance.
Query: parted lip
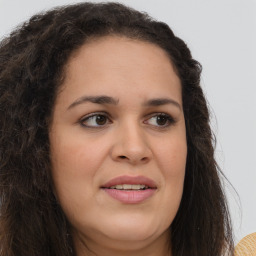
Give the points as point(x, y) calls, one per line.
point(136, 180)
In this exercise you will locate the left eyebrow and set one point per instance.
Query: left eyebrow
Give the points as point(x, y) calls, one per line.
point(160, 102)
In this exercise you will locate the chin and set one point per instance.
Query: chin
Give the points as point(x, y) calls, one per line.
point(133, 228)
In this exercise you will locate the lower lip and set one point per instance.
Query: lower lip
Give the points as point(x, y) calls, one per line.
point(130, 196)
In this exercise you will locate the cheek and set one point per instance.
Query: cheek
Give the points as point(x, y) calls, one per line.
point(75, 157)
point(171, 155)
point(74, 165)
point(171, 158)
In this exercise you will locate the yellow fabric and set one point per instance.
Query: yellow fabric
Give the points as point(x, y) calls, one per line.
point(247, 246)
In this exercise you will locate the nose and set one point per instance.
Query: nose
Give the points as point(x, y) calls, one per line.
point(131, 145)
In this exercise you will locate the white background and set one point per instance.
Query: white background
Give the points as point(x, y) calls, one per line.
point(222, 36)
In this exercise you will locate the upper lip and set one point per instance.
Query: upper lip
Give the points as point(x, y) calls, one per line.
point(136, 180)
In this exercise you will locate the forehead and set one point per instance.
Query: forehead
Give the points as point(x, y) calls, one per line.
point(120, 63)
point(119, 50)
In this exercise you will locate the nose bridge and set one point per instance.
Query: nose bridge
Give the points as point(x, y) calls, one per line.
point(131, 142)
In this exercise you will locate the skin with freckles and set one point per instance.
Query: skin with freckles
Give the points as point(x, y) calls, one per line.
point(119, 112)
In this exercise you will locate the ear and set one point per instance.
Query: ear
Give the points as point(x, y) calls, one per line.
point(247, 246)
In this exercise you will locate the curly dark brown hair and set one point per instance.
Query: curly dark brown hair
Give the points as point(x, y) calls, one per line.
point(32, 68)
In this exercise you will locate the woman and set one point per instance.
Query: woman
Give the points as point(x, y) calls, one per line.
point(106, 147)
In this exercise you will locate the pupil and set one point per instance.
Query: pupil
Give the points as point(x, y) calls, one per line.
point(161, 120)
point(100, 120)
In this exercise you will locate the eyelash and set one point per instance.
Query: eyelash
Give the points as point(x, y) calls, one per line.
point(92, 115)
point(170, 120)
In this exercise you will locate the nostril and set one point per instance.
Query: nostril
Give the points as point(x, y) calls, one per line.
point(144, 159)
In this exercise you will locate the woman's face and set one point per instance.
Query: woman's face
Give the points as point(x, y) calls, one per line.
point(118, 143)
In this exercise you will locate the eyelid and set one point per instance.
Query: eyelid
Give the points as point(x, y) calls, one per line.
point(171, 120)
point(88, 116)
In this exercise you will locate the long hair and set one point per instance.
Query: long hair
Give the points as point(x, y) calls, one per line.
point(32, 68)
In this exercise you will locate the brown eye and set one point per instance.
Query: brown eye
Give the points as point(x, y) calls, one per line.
point(95, 120)
point(160, 120)
point(101, 120)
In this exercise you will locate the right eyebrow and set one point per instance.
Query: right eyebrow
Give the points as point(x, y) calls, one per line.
point(94, 99)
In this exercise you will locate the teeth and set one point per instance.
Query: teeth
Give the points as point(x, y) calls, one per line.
point(129, 187)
